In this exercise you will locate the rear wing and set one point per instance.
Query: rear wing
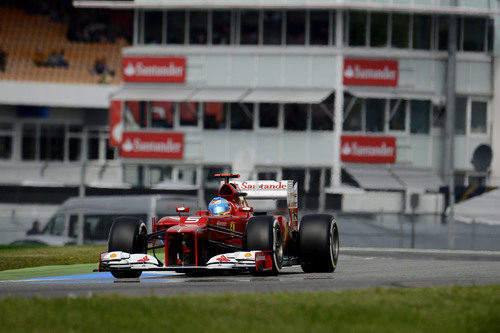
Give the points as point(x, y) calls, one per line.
point(272, 190)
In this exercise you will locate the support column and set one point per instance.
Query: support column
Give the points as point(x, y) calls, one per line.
point(449, 151)
point(335, 180)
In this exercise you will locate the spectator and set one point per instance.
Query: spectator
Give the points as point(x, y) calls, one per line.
point(102, 69)
point(3, 60)
point(39, 58)
point(56, 59)
point(35, 229)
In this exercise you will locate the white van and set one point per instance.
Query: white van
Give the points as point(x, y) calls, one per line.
point(99, 213)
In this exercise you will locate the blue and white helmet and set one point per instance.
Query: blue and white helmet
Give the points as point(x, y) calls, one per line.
point(219, 206)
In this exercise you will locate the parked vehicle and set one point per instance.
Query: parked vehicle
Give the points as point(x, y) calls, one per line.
point(99, 213)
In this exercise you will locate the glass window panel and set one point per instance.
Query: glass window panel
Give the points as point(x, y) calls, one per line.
point(221, 27)
point(52, 143)
point(75, 149)
point(295, 27)
point(295, 117)
point(400, 31)
point(378, 29)
point(6, 127)
point(375, 115)
point(198, 27)
point(110, 151)
point(189, 113)
point(474, 34)
point(55, 226)
point(5, 146)
point(460, 115)
point(353, 120)
point(419, 116)
point(477, 181)
point(273, 20)
point(158, 174)
point(93, 148)
point(422, 32)
point(267, 175)
point(133, 115)
point(268, 115)
point(357, 28)
point(397, 121)
point(153, 22)
point(478, 117)
point(491, 34)
point(214, 116)
point(241, 116)
point(29, 142)
point(187, 175)
point(176, 21)
point(322, 117)
point(318, 32)
point(438, 116)
point(443, 23)
point(162, 114)
point(249, 27)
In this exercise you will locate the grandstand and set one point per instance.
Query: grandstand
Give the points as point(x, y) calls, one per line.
point(22, 33)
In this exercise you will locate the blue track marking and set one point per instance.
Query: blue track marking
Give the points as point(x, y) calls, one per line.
point(99, 277)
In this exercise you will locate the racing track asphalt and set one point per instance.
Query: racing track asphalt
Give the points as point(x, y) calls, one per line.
point(358, 268)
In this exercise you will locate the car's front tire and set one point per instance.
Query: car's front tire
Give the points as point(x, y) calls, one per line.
point(128, 235)
point(318, 243)
point(264, 233)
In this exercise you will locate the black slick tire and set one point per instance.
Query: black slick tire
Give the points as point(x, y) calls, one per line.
point(128, 235)
point(264, 233)
point(318, 243)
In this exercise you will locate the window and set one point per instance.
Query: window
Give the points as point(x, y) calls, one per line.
point(153, 22)
point(322, 115)
point(460, 115)
point(241, 116)
point(422, 32)
point(474, 30)
point(110, 151)
point(397, 115)
point(249, 27)
point(55, 226)
point(135, 116)
point(198, 27)
point(189, 114)
point(75, 142)
point(214, 116)
point(273, 23)
point(318, 32)
point(93, 145)
point(162, 114)
point(419, 116)
point(443, 23)
point(221, 27)
point(176, 21)
point(268, 115)
point(353, 114)
point(295, 27)
point(159, 174)
point(378, 29)
point(187, 175)
point(400, 31)
point(6, 134)
point(295, 117)
point(478, 117)
point(375, 115)
point(52, 143)
point(29, 140)
point(438, 116)
point(357, 28)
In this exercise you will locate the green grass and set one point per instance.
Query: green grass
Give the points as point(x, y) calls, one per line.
point(15, 256)
point(46, 271)
point(456, 309)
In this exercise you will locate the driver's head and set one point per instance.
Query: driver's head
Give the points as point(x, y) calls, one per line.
point(219, 206)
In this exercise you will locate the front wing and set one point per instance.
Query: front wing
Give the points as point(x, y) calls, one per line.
point(235, 261)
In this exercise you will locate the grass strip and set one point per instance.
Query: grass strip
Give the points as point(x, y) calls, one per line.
point(15, 257)
point(47, 271)
point(450, 309)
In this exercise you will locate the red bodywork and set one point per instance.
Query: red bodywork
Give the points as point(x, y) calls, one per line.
point(195, 239)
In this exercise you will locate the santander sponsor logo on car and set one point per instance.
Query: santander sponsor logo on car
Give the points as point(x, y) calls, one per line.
point(368, 149)
point(154, 69)
point(152, 145)
point(370, 72)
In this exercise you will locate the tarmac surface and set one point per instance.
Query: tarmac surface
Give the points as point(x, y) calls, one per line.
point(357, 268)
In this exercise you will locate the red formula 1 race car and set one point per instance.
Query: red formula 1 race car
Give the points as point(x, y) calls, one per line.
point(227, 237)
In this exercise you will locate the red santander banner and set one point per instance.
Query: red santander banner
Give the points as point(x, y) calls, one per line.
point(370, 72)
point(152, 145)
point(368, 149)
point(154, 69)
point(115, 123)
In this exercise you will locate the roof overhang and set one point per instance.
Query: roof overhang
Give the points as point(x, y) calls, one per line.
point(287, 95)
point(489, 10)
point(394, 93)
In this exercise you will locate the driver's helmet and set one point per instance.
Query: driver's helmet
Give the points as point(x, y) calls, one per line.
point(219, 206)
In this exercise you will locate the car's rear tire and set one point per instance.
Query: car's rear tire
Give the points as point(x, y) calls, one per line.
point(127, 234)
point(264, 233)
point(318, 243)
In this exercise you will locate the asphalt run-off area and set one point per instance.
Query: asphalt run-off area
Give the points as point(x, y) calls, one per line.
point(357, 268)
